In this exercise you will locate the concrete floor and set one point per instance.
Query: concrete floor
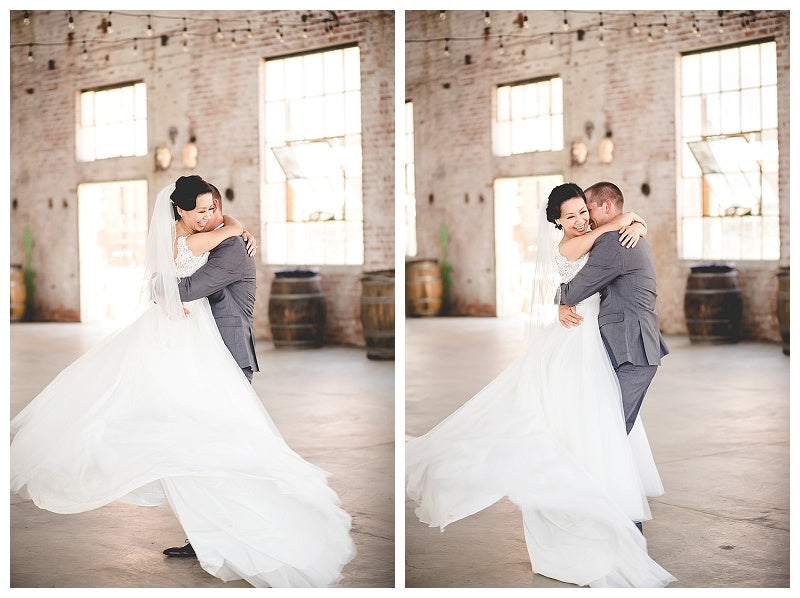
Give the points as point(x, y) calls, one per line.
point(333, 406)
point(718, 421)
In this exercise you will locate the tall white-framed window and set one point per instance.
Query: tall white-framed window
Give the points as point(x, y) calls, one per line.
point(529, 117)
point(411, 200)
point(728, 187)
point(312, 208)
point(112, 122)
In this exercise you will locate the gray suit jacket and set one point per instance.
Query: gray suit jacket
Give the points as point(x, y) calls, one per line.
point(228, 279)
point(626, 279)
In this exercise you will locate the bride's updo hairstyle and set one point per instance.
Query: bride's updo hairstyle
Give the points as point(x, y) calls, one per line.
point(187, 188)
point(558, 196)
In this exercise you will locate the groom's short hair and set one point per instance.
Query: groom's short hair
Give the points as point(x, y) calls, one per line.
point(215, 194)
point(601, 192)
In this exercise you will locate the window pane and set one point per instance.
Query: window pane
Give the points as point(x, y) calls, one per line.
point(352, 105)
point(87, 108)
point(557, 100)
point(531, 99)
point(729, 66)
point(751, 66)
point(769, 107)
point(712, 115)
point(315, 124)
point(544, 97)
point(730, 112)
point(691, 117)
point(352, 69)
point(273, 80)
point(517, 102)
point(502, 138)
point(503, 103)
point(334, 115)
point(710, 72)
point(297, 120)
point(334, 72)
point(557, 126)
point(690, 75)
point(769, 64)
point(751, 110)
point(313, 75)
point(293, 77)
point(275, 123)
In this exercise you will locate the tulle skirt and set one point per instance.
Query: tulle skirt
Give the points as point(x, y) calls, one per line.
point(549, 434)
point(160, 411)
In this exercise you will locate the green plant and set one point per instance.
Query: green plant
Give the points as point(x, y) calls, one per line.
point(444, 265)
point(29, 275)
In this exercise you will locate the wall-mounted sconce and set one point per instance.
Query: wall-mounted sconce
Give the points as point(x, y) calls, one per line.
point(579, 152)
point(189, 154)
point(605, 149)
point(163, 157)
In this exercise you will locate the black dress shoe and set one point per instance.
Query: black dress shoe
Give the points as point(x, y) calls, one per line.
point(182, 551)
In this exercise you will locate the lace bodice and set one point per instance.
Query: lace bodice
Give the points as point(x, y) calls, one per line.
point(567, 269)
point(187, 263)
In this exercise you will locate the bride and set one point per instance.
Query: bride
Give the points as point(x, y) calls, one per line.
point(549, 434)
point(143, 418)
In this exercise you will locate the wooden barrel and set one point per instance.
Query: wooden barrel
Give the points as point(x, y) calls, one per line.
point(713, 304)
point(377, 313)
point(297, 309)
point(423, 288)
point(783, 307)
point(18, 293)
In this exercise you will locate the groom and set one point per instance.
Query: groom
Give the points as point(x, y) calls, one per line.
point(626, 279)
point(228, 279)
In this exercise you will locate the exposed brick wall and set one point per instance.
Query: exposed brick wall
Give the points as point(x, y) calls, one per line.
point(627, 86)
point(211, 92)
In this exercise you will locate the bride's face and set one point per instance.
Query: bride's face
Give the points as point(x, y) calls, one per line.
point(196, 220)
point(574, 217)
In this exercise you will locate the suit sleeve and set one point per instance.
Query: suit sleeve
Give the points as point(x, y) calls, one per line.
point(603, 266)
point(224, 267)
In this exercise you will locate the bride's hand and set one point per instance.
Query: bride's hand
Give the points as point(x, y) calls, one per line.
point(629, 235)
point(568, 316)
point(251, 243)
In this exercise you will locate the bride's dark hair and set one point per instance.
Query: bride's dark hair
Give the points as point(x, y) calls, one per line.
point(187, 188)
point(558, 196)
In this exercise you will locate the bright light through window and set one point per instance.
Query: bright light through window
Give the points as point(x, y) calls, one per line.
point(113, 123)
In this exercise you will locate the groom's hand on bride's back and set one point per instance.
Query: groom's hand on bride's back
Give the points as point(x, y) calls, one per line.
point(568, 316)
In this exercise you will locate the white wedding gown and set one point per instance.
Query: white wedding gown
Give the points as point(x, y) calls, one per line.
point(160, 411)
point(549, 434)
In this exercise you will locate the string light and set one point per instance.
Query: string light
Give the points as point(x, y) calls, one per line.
point(525, 22)
point(501, 50)
point(649, 34)
point(185, 46)
point(442, 15)
point(447, 47)
point(600, 28)
point(279, 33)
point(721, 28)
point(185, 30)
point(600, 42)
point(71, 22)
point(26, 18)
point(666, 28)
point(486, 18)
point(149, 27)
point(135, 47)
point(109, 28)
point(305, 33)
point(696, 27)
point(219, 30)
point(30, 52)
point(552, 47)
point(233, 39)
point(85, 55)
point(635, 24)
point(250, 30)
point(565, 26)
